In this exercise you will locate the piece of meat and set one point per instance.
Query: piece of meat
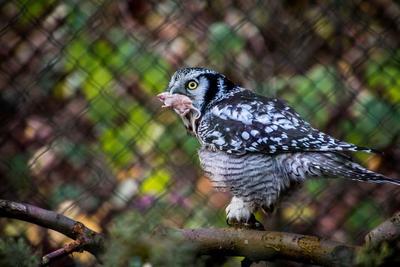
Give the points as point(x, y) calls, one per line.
point(183, 106)
point(180, 103)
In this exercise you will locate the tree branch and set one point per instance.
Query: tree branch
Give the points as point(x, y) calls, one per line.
point(388, 231)
point(85, 238)
point(256, 245)
point(66, 250)
point(269, 245)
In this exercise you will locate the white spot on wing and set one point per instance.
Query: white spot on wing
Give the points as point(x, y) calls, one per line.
point(254, 132)
point(269, 129)
point(243, 115)
point(245, 135)
point(264, 119)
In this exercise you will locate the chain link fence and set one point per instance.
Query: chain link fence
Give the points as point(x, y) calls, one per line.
point(83, 134)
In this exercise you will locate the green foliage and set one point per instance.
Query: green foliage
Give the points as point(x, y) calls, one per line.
point(16, 252)
point(315, 187)
point(321, 92)
point(18, 174)
point(133, 243)
point(206, 217)
point(372, 115)
point(318, 86)
point(383, 73)
point(113, 142)
point(224, 41)
point(367, 214)
point(156, 183)
point(152, 70)
point(94, 65)
point(65, 192)
point(35, 11)
point(384, 254)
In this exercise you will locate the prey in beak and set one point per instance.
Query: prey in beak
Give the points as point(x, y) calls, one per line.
point(183, 106)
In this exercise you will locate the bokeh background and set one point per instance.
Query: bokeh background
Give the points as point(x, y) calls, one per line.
point(83, 134)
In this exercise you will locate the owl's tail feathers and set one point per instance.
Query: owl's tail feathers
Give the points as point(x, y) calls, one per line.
point(373, 177)
point(339, 165)
point(378, 178)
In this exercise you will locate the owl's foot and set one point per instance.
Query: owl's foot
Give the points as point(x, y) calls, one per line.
point(238, 211)
point(239, 214)
point(254, 224)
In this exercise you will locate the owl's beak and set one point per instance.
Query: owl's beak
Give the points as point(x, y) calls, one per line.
point(168, 89)
point(172, 90)
point(176, 90)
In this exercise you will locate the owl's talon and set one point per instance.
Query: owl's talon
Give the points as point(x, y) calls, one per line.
point(236, 224)
point(238, 213)
point(254, 224)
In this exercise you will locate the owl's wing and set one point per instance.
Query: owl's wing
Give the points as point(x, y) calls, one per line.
point(250, 122)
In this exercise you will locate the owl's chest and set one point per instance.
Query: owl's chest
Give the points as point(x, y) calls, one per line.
point(256, 178)
point(236, 172)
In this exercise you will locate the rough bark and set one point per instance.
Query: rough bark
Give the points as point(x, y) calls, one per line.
point(85, 238)
point(387, 231)
point(253, 244)
point(269, 245)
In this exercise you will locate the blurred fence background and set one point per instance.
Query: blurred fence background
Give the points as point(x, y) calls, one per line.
point(83, 134)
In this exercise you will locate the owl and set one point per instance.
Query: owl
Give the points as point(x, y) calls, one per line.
point(253, 146)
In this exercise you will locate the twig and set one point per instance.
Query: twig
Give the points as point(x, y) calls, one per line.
point(85, 238)
point(66, 250)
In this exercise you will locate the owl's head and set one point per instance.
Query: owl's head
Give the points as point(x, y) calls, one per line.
point(201, 85)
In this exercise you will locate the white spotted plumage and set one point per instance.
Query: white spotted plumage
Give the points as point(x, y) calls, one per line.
point(279, 128)
point(256, 147)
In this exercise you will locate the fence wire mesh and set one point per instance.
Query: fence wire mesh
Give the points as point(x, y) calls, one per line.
point(82, 132)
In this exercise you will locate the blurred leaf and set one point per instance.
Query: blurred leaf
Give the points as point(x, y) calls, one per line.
point(132, 244)
point(35, 10)
point(377, 122)
point(366, 215)
point(114, 144)
point(324, 27)
point(223, 41)
point(383, 72)
point(65, 192)
point(296, 213)
point(317, 86)
point(191, 145)
point(18, 175)
point(97, 81)
point(79, 17)
point(383, 254)
point(156, 183)
point(315, 187)
point(152, 71)
point(16, 252)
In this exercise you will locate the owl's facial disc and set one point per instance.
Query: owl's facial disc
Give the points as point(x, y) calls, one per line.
point(196, 83)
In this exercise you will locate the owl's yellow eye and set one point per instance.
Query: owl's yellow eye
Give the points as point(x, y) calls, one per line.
point(192, 85)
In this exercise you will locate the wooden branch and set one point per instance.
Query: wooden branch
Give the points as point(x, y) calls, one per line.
point(85, 238)
point(253, 244)
point(66, 250)
point(388, 231)
point(269, 245)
